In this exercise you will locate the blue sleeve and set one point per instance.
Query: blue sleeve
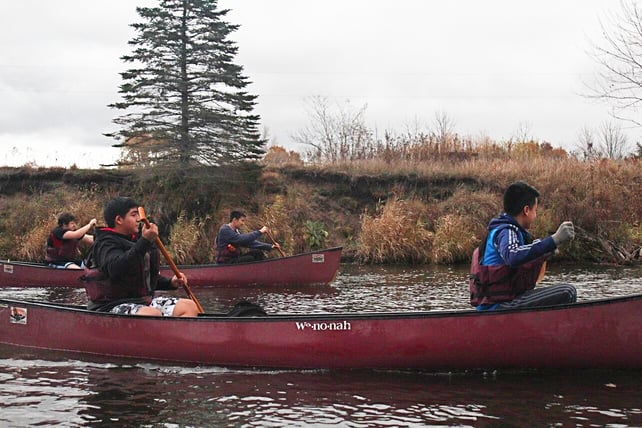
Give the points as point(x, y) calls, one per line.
point(515, 254)
point(258, 245)
point(225, 236)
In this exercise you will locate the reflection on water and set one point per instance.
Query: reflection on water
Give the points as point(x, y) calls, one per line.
point(46, 389)
point(381, 288)
point(79, 393)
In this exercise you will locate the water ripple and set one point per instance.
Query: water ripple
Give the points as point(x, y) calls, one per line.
point(54, 390)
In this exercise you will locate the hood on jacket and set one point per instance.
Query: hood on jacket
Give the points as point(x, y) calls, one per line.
point(504, 220)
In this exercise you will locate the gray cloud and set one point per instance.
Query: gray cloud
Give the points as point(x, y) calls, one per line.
point(490, 65)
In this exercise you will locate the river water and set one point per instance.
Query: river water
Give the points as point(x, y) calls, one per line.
point(47, 389)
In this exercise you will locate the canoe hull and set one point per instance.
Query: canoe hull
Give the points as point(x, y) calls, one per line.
point(314, 268)
point(599, 334)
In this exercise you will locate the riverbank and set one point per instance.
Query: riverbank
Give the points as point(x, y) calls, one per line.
point(424, 212)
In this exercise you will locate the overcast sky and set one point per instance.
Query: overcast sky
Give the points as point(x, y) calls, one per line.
point(495, 67)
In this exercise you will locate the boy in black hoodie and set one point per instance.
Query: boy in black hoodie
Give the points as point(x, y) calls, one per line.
point(124, 268)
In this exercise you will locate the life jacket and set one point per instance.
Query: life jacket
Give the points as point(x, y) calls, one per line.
point(103, 292)
point(500, 283)
point(60, 250)
point(227, 254)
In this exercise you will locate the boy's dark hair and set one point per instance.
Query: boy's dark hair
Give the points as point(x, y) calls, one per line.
point(118, 207)
point(517, 196)
point(236, 214)
point(65, 218)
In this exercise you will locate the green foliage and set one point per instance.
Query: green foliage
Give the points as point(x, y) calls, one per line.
point(315, 234)
point(184, 96)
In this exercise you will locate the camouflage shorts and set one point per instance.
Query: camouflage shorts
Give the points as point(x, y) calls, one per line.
point(164, 304)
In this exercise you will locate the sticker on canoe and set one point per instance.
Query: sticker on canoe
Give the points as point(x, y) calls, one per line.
point(318, 258)
point(18, 315)
point(7, 268)
point(323, 326)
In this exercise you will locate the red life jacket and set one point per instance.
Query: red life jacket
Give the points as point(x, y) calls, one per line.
point(230, 252)
point(103, 292)
point(61, 250)
point(501, 283)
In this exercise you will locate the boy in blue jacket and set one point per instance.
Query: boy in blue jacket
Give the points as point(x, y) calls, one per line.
point(506, 266)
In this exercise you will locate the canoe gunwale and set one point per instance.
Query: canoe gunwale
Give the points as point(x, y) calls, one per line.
point(270, 260)
point(44, 265)
point(313, 268)
point(333, 316)
point(601, 333)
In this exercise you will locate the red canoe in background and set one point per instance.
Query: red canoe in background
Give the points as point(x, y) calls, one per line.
point(602, 333)
point(314, 268)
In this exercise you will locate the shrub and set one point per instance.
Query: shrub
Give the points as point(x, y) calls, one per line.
point(395, 234)
point(188, 241)
point(315, 234)
point(454, 240)
point(277, 216)
point(476, 207)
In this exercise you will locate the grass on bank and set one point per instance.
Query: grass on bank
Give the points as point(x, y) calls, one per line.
point(601, 196)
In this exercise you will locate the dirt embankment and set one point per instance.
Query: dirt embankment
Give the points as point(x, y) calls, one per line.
point(295, 202)
point(335, 200)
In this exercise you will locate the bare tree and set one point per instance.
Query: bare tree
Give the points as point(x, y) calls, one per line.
point(443, 127)
point(335, 136)
point(586, 143)
point(619, 59)
point(413, 130)
point(523, 133)
point(613, 144)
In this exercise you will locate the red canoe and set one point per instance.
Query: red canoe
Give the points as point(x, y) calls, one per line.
point(604, 333)
point(314, 268)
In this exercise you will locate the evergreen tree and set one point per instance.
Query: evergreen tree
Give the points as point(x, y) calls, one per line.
point(184, 96)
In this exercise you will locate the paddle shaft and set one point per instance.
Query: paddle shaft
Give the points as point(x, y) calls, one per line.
point(269, 234)
point(171, 263)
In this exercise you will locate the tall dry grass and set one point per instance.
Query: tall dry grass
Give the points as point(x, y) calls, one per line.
point(287, 214)
point(278, 216)
point(454, 240)
point(30, 220)
point(599, 196)
point(189, 242)
point(396, 233)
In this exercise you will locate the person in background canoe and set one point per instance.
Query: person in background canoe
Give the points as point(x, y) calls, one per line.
point(230, 240)
point(122, 271)
point(507, 264)
point(62, 243)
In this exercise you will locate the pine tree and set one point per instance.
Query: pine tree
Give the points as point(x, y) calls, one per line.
point(184, 96)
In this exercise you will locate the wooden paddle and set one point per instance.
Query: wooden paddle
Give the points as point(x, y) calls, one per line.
point(159, 244)
point(269, 234)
